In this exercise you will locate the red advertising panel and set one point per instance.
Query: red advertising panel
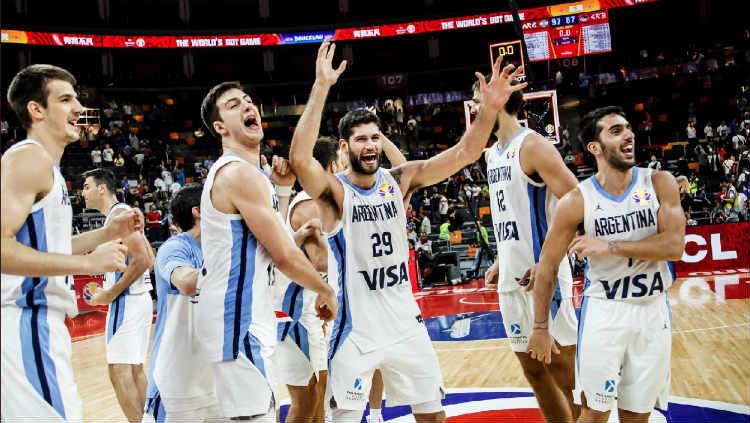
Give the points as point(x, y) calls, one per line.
point(189, 41)
point(85, 286)
point(715, 247)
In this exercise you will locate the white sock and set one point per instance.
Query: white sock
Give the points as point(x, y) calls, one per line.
point(375, 414)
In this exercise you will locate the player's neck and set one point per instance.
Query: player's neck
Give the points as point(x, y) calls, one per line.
point(250, 153)
point(614, 181)
point(55, 148)
point(508, 128)
point(195, 232)
point(362, 180)
point(107, 204)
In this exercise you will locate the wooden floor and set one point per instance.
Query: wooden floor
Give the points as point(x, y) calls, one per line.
point(710, 355)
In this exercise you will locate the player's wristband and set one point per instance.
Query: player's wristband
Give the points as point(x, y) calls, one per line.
point(283, 190)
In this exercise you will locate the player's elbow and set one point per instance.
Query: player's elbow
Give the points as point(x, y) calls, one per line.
point(142, 262)
point(675, 250)
point(298, 162)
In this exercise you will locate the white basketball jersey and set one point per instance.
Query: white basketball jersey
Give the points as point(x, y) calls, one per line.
point(292, 299)
point(368, 264)
point(235, 283)
point(176, 370)
point(521, 209)
point(142, 283)
point(47, 229)
point(630, 217)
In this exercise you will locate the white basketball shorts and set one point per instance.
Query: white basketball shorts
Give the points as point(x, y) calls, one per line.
point(128, 327)
point(517, 309)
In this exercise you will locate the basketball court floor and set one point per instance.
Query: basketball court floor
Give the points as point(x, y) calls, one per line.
point(710, 356)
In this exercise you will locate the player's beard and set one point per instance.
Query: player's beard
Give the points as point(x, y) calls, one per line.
point(356, 166)
point(614, 160)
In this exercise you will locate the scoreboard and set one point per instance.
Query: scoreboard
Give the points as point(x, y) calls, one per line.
point(560, 37)
point(512, 54)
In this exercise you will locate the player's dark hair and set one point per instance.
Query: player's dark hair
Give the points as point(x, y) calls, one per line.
point(30, 84)
point(355, 118)
point(181, 206)
point(325, 151)
point(209, 109)
point(102, 177)
point(590, 128)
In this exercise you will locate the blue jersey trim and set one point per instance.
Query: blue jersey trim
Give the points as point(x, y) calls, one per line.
point(624, 195)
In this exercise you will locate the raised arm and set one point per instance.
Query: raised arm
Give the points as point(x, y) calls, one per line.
point(26, 176)
point(251, 198)
point(391, 151)
point(547, 163)
point(416, 174)
point(568, 215)
point(313, 178)
point(667, 244)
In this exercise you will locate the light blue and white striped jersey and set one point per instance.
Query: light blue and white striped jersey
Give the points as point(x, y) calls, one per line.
point(142, 283)
point(47, 229)
point(631, 216)
point(369, 267)
point(235, 283)
point(177, 369)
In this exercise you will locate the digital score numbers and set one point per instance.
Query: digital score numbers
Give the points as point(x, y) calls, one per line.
point(560, 37)
point(511, 52)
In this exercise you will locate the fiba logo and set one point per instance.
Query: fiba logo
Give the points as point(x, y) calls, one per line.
point(515, 329)
point(641, 196)
point(88, 291)
point(386, 191)
point(410, 29)
point(609, 386)
point(140, 42)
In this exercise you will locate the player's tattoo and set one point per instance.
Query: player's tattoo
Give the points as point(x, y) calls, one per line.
point(396, 173)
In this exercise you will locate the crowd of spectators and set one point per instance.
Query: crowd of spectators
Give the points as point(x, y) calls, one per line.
point(154, 148)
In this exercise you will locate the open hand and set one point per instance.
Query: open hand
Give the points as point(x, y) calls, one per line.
point(495, 94)
point(324, 71)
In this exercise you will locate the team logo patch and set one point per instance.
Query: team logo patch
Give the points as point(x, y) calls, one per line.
point(641, 196)
point(609, 386)
point(88, 291)
point(515, 329)
point(511, 153)
point(386, 191)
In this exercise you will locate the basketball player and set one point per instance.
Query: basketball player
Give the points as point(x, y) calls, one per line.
point(302, 351)
point(379, 324)
point(633, 225)
point(526, 175)
point(242, 234)
point(38, 252)
point(127, 293)
point(180, 382)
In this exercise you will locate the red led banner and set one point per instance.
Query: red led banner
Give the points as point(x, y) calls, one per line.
point(341, 34)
